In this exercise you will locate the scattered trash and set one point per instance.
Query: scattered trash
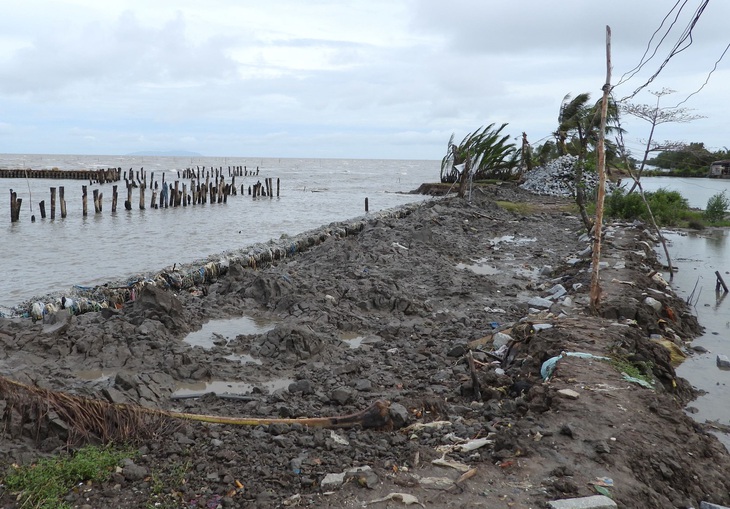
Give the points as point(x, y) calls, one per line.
point(676, 355)
point(602, 491)
point(436, 483)
point(404, 498)
point(443, 462)
point(338, 439)
point(467, 446)
point(418, 426)
point(603, 481)
point(548, 367)
point(652, 302)
point(638, 381)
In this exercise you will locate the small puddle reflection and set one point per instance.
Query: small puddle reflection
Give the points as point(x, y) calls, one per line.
point(95, 375)
point(243, 358)
point(223, 387)
point(354, 340)
point(479, 267)
point(511, 239)
point(222, 331)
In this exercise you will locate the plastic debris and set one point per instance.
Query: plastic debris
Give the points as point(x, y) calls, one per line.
point(456, 465)
point(404, 498)
point(637, 381)
point(548, 367)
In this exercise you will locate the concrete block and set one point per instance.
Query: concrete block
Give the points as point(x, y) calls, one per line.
point(594, 502)
point(568, 394)
point(723, 362)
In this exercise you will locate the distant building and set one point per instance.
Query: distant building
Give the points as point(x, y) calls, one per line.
point(720, 170)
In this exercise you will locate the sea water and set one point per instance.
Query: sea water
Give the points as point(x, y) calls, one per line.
point(49, 256)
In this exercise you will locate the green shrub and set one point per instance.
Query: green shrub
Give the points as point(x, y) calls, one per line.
point(669, 207)
point(717, 207)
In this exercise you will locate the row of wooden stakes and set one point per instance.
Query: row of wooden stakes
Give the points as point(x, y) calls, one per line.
point(164, 195)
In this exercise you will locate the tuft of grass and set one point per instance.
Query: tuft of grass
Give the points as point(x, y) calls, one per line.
point(44, 484)
point(516, 207)
point(640, 370)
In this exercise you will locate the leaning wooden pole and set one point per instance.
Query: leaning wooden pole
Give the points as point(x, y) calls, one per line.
point(597, 226)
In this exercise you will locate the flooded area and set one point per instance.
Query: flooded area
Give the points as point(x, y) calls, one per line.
point(698, 255)
point(219, 387)
point(222, 331)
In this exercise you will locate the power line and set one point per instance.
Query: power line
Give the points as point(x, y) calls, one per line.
point(642, 62)
point(714, 68)
point(677, 48)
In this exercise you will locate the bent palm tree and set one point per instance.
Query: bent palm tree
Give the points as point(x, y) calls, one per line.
point(485, 153)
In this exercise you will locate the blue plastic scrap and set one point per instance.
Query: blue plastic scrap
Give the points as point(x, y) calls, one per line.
point(548, 367)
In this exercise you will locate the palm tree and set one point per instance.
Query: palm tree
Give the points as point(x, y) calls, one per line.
point(485, 153)
point(579, 124)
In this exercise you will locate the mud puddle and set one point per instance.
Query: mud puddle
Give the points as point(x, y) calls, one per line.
point(227, 387)
point(224, 330)
point(355, 340)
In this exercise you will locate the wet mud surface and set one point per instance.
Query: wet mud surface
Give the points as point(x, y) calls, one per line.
point(411, 311)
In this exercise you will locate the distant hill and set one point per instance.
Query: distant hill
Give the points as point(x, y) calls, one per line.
point(166, 153)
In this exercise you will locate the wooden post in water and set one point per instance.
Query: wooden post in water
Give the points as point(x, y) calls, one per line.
point(128, 201)
point(62, 201)
point(114, 198)
point(42, 206)
point(176, 196)
point(141, 195)
point(83, 201)
point(53, 203)
point(185, 195)
point(207, 187)
point(366, 204)
point(277, 187)
point(96, 201)
point(720, 282)
point(15, 204)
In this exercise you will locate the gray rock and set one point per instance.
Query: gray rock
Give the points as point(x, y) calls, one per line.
point(341, 395)
point(557, 291)
point(593, 502)
point(457, 351)
point(539, 302)
point(653, 303)
point(500, 339)
point(303, 386)
point(363, 385)
point(114, 396)
point(364, 476)
point(133, 472)
point(126, 381)
point(723, 362)
point(398, 415)
point(332, 481)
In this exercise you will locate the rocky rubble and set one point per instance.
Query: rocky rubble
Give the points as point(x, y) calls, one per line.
point(557, 178)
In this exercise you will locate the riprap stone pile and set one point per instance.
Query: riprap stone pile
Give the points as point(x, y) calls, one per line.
point(557, 178)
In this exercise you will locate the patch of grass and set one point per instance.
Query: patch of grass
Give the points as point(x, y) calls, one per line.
point(165, 487)
point(640, 370)
point(44, 484)
point(516, 207)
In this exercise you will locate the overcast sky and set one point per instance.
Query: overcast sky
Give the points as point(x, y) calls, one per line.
point(388, 79)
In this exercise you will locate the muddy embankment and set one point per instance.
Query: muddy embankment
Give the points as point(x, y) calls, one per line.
point(449, 312)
